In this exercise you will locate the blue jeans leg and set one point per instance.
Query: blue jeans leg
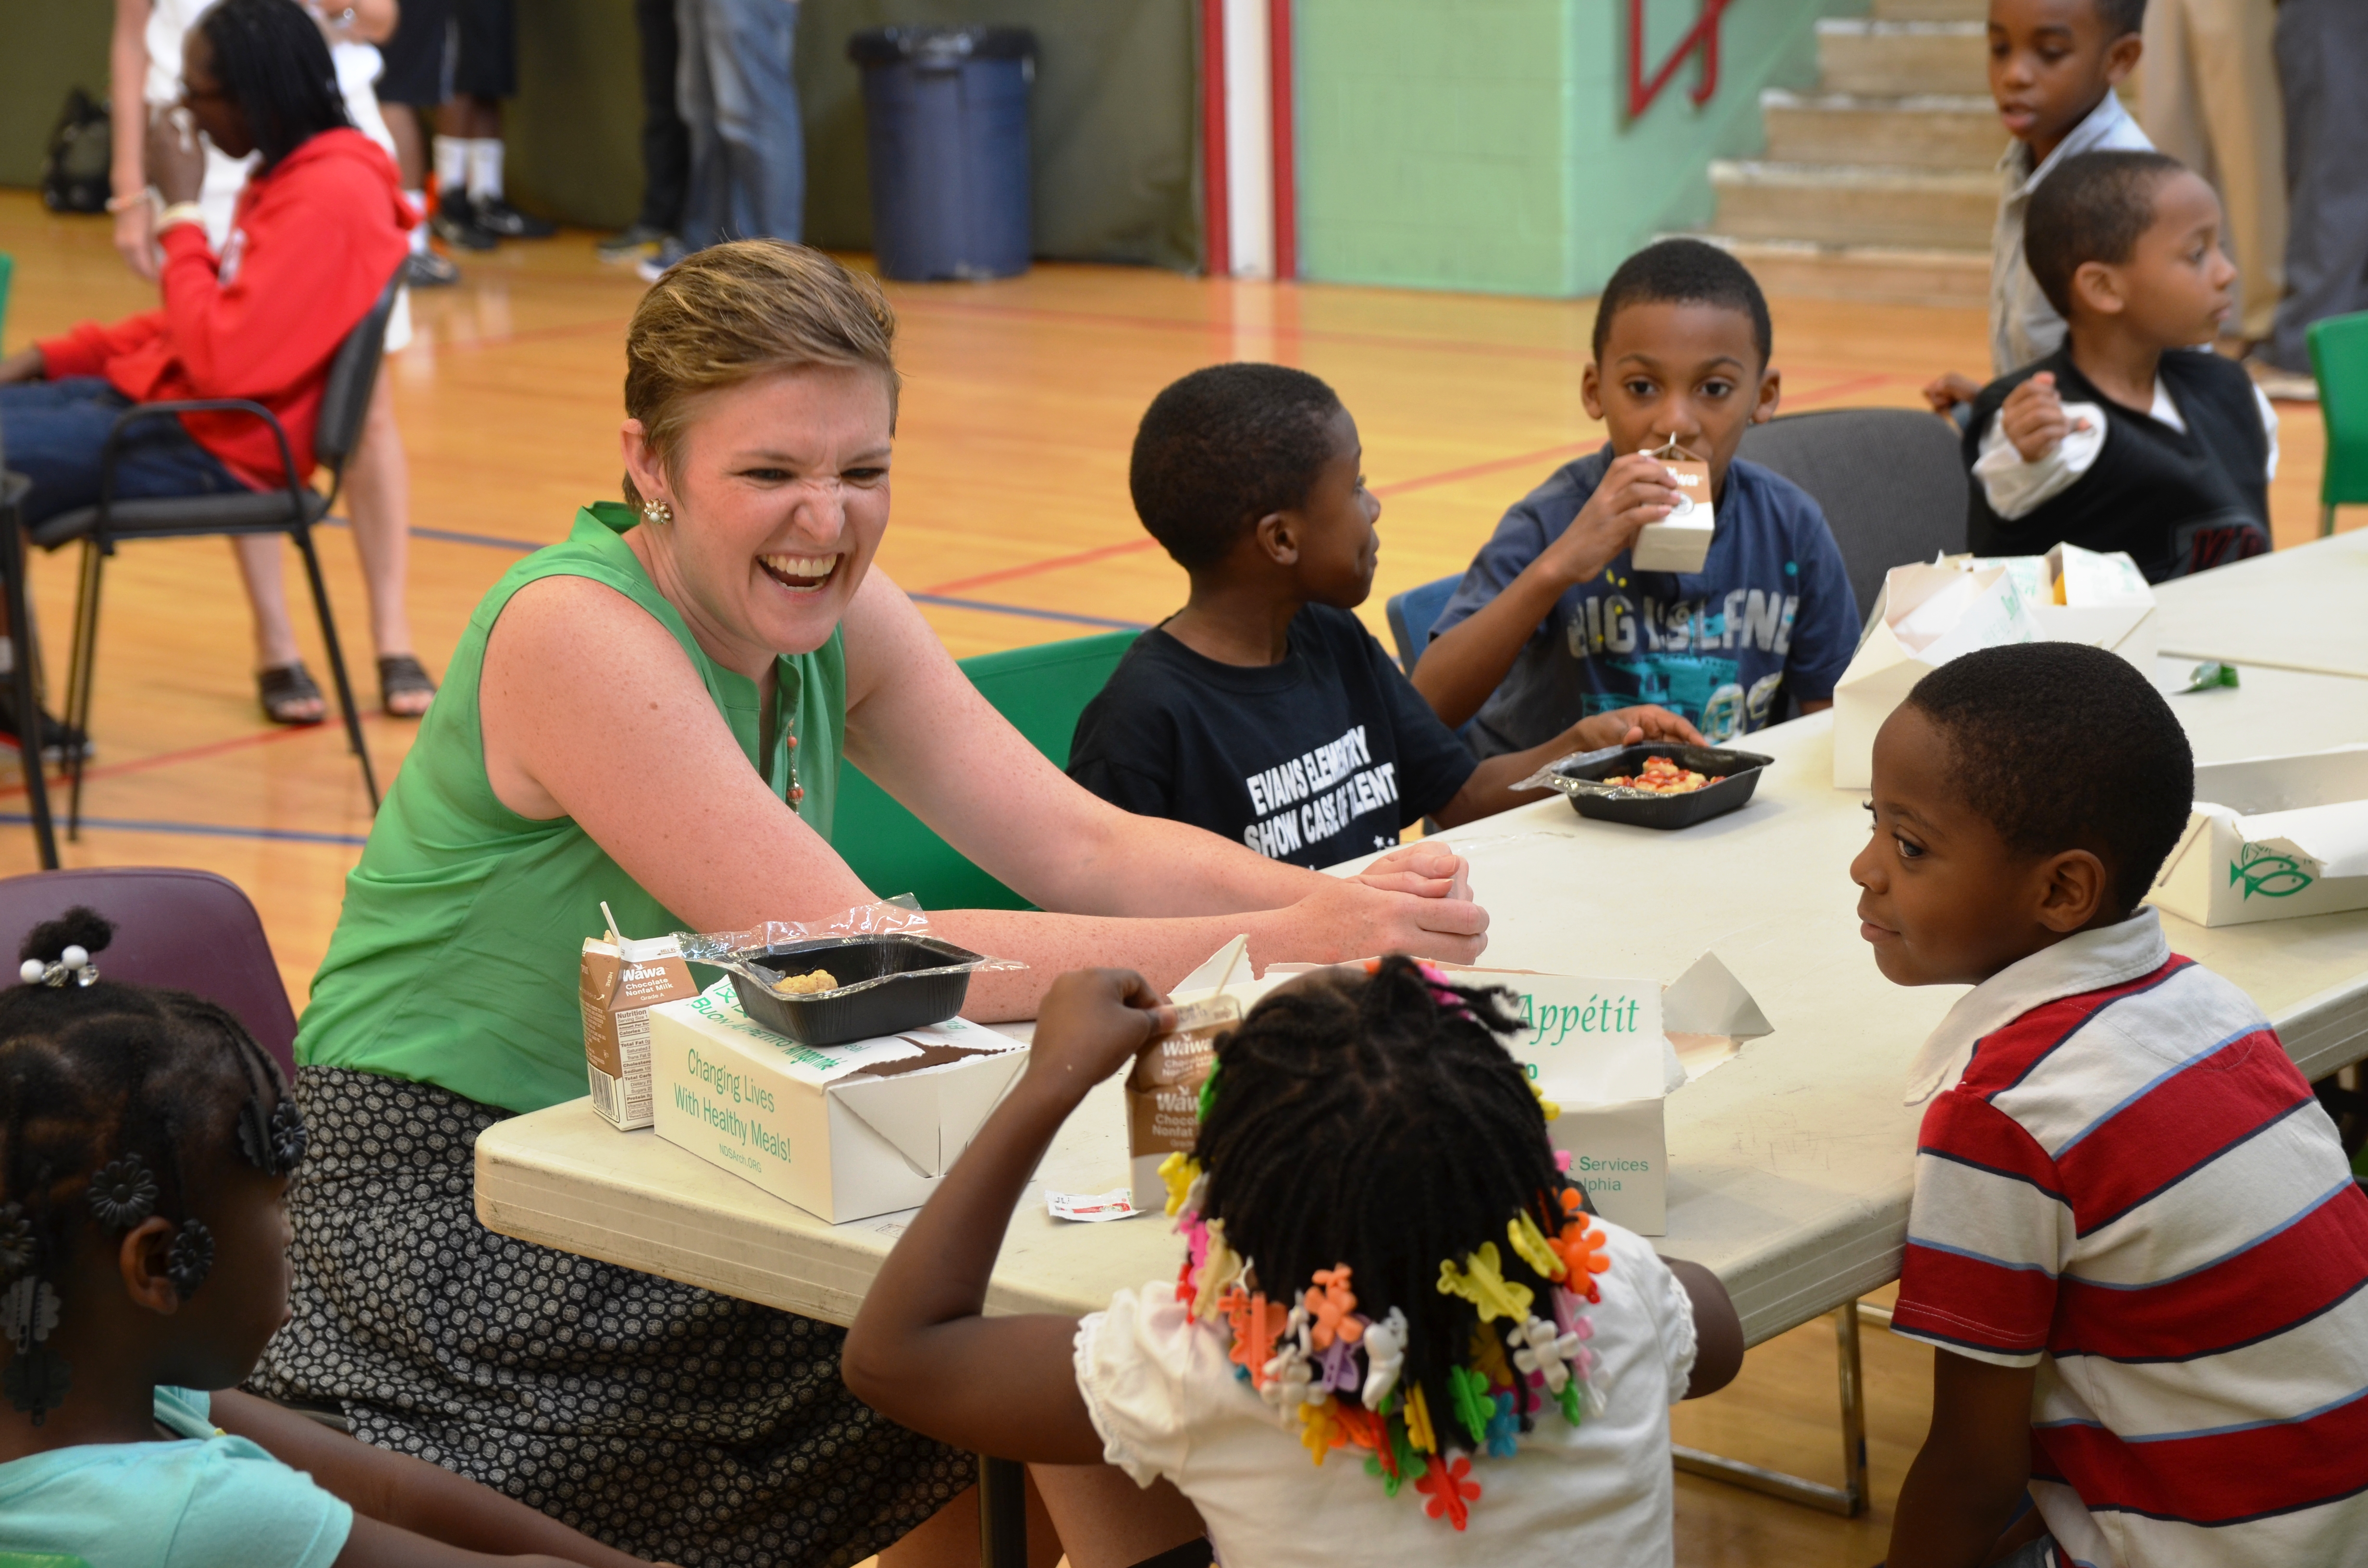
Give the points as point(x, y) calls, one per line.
point(740, 98)
point(55, 432)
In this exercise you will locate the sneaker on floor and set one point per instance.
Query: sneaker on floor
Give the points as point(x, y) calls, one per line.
point(499, 218)
point(55, 735)
point(426, 269)
point(651, 266)
point(636, 242)
point(455, 223)
point(2279, 384)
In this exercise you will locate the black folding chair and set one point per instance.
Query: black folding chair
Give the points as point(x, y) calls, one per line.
point(344, 398)
point(24, 678)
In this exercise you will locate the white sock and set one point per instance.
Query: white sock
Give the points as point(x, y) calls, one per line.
point(451, 164)
point(486, 169)
point(418, 199)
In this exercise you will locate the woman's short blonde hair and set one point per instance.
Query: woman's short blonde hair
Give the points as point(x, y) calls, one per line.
point(732, 312)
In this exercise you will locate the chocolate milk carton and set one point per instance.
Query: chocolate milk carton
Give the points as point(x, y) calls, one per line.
point(618, 984)
point(1162, 1093)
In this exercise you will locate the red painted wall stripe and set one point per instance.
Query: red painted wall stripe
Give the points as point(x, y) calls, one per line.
point(1216, 230)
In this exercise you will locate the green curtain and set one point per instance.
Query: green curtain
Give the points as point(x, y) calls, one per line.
point(1113, 119)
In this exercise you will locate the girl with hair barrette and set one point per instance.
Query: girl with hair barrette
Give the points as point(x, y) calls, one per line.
point(1398, 1335)
point(145, 1145)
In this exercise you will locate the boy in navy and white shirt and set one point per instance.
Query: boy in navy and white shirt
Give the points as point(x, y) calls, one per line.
point(1552, 623)
point(2135, 1242)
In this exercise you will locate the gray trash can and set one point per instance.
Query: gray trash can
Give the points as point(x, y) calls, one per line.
point(945, 114)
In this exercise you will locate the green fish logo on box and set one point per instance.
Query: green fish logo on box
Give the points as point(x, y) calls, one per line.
point(2265, 872)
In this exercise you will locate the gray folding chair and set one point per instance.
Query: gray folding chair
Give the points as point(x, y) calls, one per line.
point(1891, 481)
point(344, 398)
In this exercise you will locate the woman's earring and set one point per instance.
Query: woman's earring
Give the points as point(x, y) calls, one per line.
point(657, 512)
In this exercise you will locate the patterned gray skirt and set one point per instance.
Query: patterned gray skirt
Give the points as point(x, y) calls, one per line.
point(663, 1419)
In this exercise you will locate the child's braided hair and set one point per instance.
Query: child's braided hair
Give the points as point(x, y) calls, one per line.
point(111, 1097)
point(1380, 1121)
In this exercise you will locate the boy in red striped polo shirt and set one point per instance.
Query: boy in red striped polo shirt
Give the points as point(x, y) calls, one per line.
point(2135, 1244)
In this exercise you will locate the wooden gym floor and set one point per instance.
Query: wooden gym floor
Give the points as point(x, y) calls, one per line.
point(1011, 527)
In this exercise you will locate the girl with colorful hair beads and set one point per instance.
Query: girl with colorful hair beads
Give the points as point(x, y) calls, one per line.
point(1398, 1335)
point(145, 1145)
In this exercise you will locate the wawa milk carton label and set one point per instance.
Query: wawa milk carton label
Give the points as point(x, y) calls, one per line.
point(617, 989)
point(1162, 1093)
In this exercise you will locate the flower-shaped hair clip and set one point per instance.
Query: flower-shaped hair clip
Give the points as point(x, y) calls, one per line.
point(190, 1258)
point(1451, 1490)
point(1331, 1308)
point(1474, 1408)
point(1504, 1428)
point(273, 1145)
point(1543, 1351)
point(123, 1193)
point(74, 960)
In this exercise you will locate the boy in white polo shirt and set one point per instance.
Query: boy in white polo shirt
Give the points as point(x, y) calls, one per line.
point(2054, 66)
point(2135, 1242)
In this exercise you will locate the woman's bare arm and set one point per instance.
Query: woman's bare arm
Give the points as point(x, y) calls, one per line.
point(127, 81)
point(591, 709)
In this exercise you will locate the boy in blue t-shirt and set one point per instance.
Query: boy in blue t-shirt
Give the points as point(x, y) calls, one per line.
point(1553, 623)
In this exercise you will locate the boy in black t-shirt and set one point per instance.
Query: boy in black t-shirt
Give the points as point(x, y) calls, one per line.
point(2121, 440)
point(1263, 710)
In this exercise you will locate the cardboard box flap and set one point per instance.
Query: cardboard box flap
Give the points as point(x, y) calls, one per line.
point(1228, 964)
point(1708, 999)
point(2258, 786)
point(902, 1110)
point(2335, 837)
point(965, 1098)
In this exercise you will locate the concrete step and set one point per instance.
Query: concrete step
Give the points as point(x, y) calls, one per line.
point(1876, 274)
point(1931, 10)
point(1845, 204)
point(1890, 59)
point(1934, 132)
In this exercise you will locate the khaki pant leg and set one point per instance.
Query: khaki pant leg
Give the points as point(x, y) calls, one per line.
point(2221, 114)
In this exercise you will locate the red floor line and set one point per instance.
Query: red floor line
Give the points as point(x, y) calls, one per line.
point(1396, 488)
point(1473, 470)
point(173, 759)
point(1282, 331)
point(1054, 564)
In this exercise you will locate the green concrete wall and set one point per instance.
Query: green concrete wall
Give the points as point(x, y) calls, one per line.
point(1485, 144)
point(46, 46)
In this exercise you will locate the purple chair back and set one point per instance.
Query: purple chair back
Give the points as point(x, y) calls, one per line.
point(192, 930)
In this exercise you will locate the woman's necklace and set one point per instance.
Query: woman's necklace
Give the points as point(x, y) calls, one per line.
point(797, 790)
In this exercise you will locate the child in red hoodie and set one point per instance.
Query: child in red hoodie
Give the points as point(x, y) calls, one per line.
point(317, 231)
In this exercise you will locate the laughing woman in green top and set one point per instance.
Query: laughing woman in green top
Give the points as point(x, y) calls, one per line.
point(653, 714)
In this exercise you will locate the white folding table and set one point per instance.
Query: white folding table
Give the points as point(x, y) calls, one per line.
point(1791, 1166)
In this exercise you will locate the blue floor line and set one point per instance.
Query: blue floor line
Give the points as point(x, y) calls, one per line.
point(198, 829)
point(495, 541)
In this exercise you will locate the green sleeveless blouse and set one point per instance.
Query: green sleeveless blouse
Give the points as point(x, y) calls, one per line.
point(455, 957)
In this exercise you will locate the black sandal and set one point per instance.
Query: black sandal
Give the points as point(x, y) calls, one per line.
point(285, 689)
point(400, 674)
